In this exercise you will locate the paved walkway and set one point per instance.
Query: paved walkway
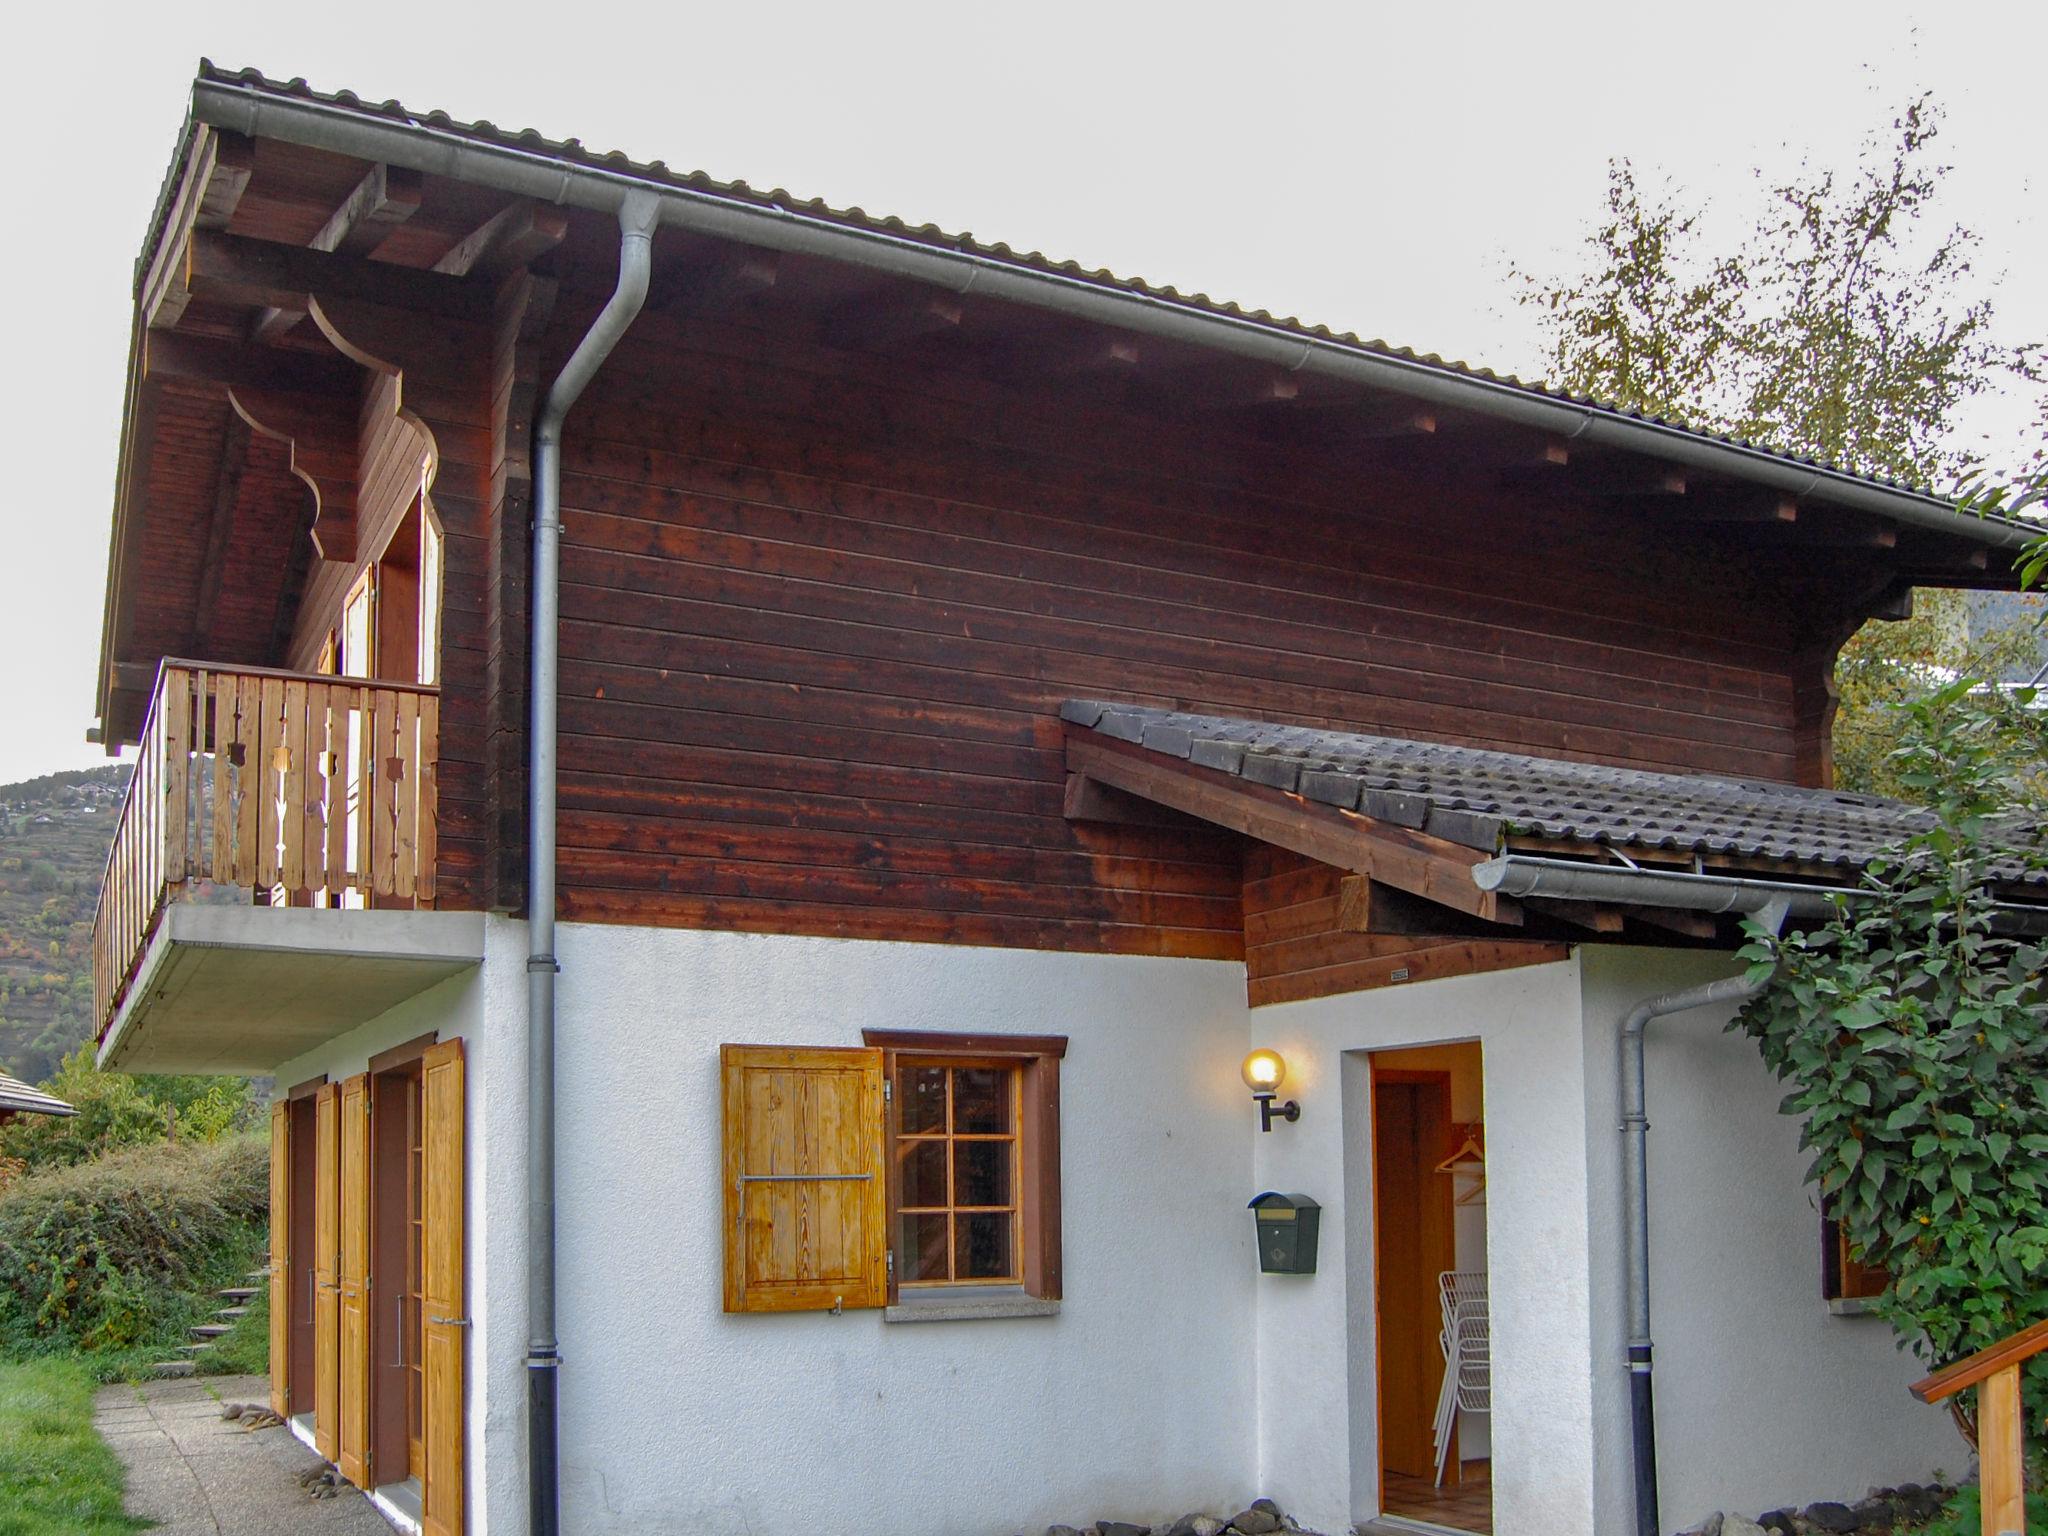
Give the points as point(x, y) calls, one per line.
point(197, 1475)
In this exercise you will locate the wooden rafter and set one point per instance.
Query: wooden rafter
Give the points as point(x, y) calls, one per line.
point(384, 199)
point(1414, 862)
point(205, 360)
point(234, 270)
point(517, 235)
point(217, 173)
point(878, 325)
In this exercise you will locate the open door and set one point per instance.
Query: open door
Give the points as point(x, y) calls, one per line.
point(280, 1258)
point(327, 1273)
point(444, 1322)
point(353, 1291)
point(1430, 1286)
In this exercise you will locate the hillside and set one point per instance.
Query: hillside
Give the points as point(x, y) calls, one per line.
point(54, 833)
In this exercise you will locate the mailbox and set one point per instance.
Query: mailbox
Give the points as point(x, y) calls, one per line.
point(1287, 1233)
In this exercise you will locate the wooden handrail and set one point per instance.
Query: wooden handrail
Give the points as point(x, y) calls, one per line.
point(312, 785)
point(2001, 1433)
point(1971, 1369)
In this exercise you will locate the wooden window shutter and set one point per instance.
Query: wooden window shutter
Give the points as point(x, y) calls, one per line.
point(805, 1219)
point(354, 1282)
point(443, 1321)
point(326, 1271)
point(280, 1257)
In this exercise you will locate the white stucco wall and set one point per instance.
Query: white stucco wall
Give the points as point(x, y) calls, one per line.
point(1138, 1399)
point(1318, 1454)
point(1764, 1398)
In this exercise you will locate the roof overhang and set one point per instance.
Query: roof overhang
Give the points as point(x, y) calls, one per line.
point(564, 174)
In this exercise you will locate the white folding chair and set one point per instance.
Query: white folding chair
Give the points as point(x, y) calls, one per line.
point(1466, 1341)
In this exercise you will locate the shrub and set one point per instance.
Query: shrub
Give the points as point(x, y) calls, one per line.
point(121, 1254)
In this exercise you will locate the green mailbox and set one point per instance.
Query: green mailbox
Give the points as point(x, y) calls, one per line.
point(1287, 1233)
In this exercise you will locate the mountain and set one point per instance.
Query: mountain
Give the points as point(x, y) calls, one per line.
point(54, 835)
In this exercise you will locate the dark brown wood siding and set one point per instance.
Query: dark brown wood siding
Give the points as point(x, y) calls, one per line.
point(1293, 948)
point(820, 609)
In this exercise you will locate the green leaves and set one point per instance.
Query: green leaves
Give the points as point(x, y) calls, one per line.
point(1914, 1037)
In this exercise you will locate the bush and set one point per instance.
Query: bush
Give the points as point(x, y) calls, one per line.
point(118, 1257)
point(116, 1110)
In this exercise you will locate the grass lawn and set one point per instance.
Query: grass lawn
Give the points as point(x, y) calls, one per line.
point(57, 1477)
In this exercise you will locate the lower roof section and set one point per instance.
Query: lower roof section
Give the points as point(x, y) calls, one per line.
point(240, 990)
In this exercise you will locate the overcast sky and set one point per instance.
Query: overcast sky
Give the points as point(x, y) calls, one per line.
point(1371, 167)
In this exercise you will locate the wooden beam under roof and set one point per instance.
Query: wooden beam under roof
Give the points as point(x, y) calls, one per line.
point(229, 269)
point(517, 235)
point(206, 360)
point(1430, 867)
point(877, 323)
point(217, 173)
point(385, 198)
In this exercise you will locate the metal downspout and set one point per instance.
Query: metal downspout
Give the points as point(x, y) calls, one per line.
point(638, 214)
point(1635, 1202)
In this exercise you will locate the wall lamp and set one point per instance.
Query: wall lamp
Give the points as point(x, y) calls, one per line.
point(1264, 1072)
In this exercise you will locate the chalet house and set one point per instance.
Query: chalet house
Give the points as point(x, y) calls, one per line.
point(757, 774)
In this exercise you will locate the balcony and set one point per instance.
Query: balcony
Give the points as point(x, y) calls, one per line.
point(271, 881)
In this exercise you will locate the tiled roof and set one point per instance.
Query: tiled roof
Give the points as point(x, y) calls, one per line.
point(15, 1095)
point(1480, 799)
point(657, 173)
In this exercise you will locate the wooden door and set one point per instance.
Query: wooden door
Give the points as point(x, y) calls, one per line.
point(353, 1276)
point(280, 1258)
point(444, 1322)
point(327, 1272)
point(1415, 1241)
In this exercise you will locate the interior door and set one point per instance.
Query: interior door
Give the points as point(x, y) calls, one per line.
point(1415, 1242)
point(444, 1324)
point(353, 1290)
point(327, 1273)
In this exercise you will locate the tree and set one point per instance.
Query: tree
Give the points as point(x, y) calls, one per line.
point(1844, 329)
point(1914, 1032)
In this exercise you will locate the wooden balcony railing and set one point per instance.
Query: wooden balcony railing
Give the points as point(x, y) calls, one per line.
point(2001, 1436)
point(306, 790)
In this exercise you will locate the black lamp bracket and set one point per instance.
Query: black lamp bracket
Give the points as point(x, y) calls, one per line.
point(1268, 1112)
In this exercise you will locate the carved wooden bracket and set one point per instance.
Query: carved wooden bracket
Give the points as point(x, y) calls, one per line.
point(321, 434)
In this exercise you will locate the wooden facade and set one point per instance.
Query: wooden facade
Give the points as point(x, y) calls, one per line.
point(836, 550)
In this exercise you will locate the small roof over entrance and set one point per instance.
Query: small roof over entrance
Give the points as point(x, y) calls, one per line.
point(17, 1098)
point(1499, 839)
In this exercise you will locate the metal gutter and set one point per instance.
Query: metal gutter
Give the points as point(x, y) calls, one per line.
point(637, 218)
point(533, 173)
point(1517, 874)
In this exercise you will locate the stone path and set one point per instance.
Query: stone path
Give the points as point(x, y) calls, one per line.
point(196, 1475)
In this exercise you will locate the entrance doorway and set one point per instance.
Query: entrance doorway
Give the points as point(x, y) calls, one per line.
point(1429, 1284)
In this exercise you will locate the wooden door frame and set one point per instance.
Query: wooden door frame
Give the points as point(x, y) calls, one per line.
point(391, 1074)
point(1376, 1074)
point(301, 1132)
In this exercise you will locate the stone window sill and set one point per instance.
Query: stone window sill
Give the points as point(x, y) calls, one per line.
point(1849, 1306)
point(966, 1304)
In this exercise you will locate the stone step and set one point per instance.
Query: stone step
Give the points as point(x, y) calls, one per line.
point(173, 1368)
point(195, 1349)
point(257, 1275)
point(237, 1293)
point(231, 1313)
point(210, 1330)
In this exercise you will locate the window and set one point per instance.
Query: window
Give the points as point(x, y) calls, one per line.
point(956, 1168)
point(1843, 1276)
point(922, 1168)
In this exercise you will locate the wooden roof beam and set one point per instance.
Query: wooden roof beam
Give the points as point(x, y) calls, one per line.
point(229, 269)
point(732, 276)
point(1429, 867)
point(385, 198)
point(216, 175)
point(517, 235)
point(204, 360)
point(227, 490)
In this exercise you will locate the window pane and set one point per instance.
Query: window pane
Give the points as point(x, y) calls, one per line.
point(921, 1099)
point(924, 1172)
point(981, 1173)
point(981, 1099)
point(923, 1247)
point(983, 1247)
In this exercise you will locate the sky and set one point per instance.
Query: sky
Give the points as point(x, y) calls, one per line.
point(1376, 168)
